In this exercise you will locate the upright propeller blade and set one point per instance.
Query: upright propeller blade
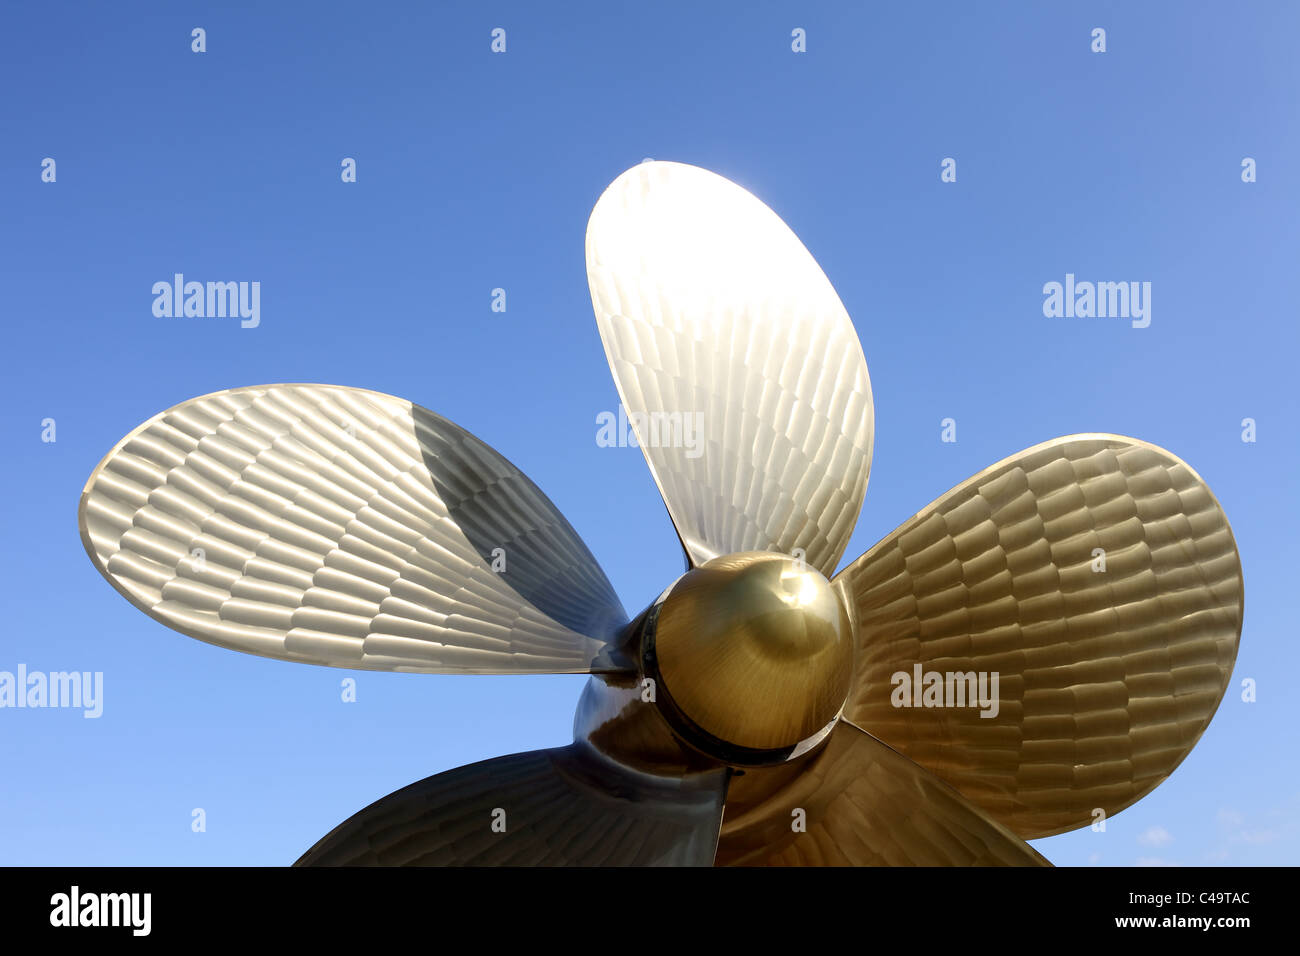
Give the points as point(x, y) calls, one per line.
point(738, 366)
point(567, 806)
point(859, 803)
point(1097, 578)
point(340, 526)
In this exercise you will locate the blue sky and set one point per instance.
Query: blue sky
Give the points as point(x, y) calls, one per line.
point(479, 170)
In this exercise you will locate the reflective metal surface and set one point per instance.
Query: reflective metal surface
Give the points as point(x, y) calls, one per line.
point(753, 651)
point(1107, 677)
point(620, 716)
point(341, 526)
point(859, 803)
point(714, 314)
point(566, 806)
point(1050, 637)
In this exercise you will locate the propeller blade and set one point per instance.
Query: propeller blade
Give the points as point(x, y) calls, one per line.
point(864, 804)
point(738, 366)
point(340, 526)
point(1106, 678)
point(567, 806)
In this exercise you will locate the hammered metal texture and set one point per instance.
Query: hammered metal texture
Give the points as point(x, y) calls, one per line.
point(558, 807)
point(713, 312)
point(1107, 678)
point(339, 526)
point(867, 805)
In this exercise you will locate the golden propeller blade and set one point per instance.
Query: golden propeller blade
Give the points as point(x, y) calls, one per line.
point(567, 806)
point(738, 366)
point(340, 526)
point(1096, 578)
point(862, 804)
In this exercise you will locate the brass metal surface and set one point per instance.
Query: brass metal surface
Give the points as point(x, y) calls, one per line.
point(620, 716)
point(340, 526)
point(617, 718)
point(1075, 608)
point(754, 650)
point(566, 806)
point(712, 311)
point(1107, 678)
point(859, 803)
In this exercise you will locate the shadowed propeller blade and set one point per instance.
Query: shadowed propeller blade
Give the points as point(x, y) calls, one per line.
point(340, 526)
point(864, 804)
point(738, 366)
point(1097, 578)
point(566, 806)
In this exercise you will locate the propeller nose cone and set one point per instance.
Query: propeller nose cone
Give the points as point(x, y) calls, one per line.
point(754, 654)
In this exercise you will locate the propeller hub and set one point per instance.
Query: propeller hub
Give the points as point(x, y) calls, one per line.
point(752, 655)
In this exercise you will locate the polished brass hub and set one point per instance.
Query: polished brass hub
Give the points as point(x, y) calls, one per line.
point(752, 655)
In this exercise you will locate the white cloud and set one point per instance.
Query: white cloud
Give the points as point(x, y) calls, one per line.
point(1231, 818)
point(1155, 836)
point(1272, 828)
